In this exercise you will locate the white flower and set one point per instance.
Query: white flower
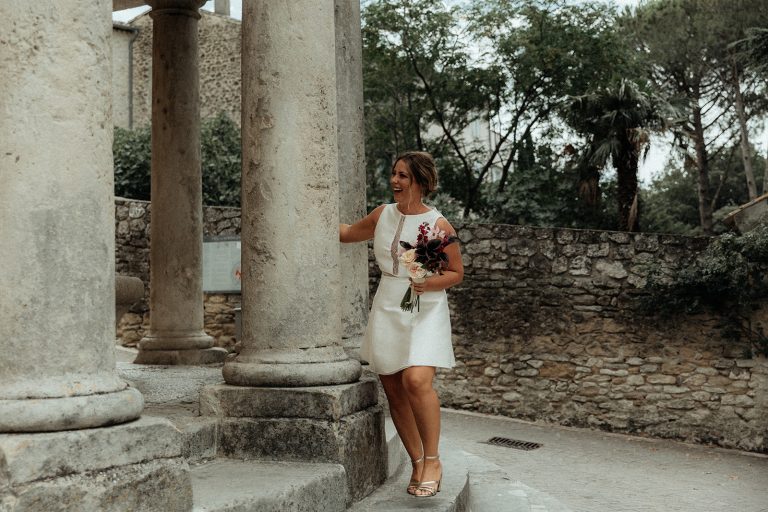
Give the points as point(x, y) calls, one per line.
point(408, 257)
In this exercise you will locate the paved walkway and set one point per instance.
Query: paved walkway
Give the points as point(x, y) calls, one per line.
point(592, 471)
point(584, 470)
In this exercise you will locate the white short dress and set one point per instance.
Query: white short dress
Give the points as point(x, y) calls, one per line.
point(396, 339)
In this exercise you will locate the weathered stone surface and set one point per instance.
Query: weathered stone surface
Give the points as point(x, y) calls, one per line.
point(266, 486)
point(28, 457)
point(532, 317)
point(351, 168)
point(176, 302)
point(321, 402)
point(198, 437)
point(356, 442)
point(145, 487)
point(57, 317)
point(290, 234)
point(185, 357)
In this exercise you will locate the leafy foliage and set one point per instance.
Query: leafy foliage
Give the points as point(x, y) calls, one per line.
point(221, 162)
point(617, 121)
point(671, 201)
point(729, 277)
point(434, 74)
point(688, 45)
point(132, 151)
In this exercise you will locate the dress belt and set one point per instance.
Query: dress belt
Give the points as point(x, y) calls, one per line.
point(387, 274)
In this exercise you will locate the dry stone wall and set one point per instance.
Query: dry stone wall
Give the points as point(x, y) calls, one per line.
point(544, 329)
point(132, 219)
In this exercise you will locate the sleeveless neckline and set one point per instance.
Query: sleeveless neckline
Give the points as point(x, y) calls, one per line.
point(431, 210)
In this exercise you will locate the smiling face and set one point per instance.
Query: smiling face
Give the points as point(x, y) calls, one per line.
point(404, 188)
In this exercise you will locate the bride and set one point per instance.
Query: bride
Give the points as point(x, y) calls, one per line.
point(405, 348)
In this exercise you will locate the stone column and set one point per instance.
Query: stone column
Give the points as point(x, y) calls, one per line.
point(291, 283)
point(176, 334)
point(352, 205)
point(57, 238)
point(307, 403)
point(57, 279)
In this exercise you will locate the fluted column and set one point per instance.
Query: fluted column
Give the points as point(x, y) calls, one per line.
point(291, 284)
point(57, 261)
point(351, 140)
point(176, 334)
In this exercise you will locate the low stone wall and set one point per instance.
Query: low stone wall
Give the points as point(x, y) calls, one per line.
point(132, 258)
point(545, 328)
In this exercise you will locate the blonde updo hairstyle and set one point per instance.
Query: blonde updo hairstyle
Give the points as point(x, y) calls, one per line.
point(422, 168)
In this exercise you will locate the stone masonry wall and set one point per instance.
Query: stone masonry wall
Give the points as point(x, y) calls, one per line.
point(132, 219)
point(544, 329)
point(219, 55)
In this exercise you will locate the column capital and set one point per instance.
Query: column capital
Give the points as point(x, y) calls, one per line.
point(183, 7)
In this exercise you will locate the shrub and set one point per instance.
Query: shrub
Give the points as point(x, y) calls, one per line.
point(220, 153)
point(729, 278)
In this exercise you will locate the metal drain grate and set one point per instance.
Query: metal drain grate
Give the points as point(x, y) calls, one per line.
point(513, 443)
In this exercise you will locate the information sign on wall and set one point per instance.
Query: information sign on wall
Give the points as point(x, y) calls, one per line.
point(221, 264)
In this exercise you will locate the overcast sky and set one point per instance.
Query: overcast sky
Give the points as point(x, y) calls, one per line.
point(654, 163)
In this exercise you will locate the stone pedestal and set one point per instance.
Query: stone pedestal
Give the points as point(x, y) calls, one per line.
point(341, 424)
point(176, 334)
point(351, 141)
point(135, 466)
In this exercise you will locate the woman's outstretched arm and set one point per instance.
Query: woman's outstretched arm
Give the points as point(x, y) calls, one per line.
point(361, 230)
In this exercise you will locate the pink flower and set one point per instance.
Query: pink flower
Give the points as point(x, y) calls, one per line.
point(416, 271)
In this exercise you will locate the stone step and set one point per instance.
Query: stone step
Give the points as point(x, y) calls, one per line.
point(486, 486)
point(396, 454)
point(227, 485)
point(453, 495)
point(492, 489)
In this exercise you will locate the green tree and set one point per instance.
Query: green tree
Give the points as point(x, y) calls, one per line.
point(671, 202)
point(426, 90)
point(547, 52)
point(132, 151)
point(687, 46)
point(617, 121)
point(432, 71)
point(221, 162)
point(752, 51)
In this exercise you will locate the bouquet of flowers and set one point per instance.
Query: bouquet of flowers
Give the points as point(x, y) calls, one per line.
point(424, 259)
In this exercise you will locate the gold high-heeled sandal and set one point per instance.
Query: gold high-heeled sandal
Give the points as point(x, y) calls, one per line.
point(430, 487)
point(414, 484)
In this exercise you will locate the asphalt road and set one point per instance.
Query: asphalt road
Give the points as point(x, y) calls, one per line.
point(594, 471)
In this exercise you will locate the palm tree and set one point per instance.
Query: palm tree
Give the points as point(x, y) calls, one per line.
point(616, 122)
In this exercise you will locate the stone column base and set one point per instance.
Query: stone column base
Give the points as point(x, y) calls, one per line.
point(341, 424)
point(134, 466)
point(182, 357)
point(352, 346)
